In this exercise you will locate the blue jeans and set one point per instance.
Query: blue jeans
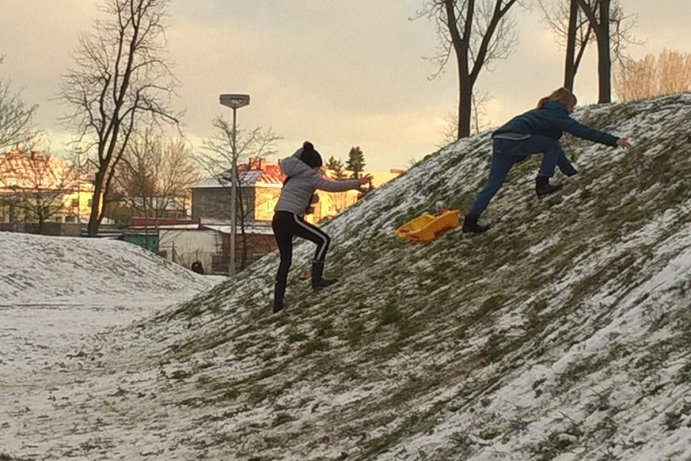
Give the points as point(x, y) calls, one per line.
point(507, 152)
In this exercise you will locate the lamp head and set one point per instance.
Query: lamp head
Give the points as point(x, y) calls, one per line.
point(234, 101)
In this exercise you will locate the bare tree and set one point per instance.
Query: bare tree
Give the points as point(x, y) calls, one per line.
point(35, 186)
point(573, 29)
point(478, 120)
point(599, 14)
point(576, 26)
point(155, 174)
point(219, 156)
point(636, 80)
point(218, 148)
point(669, 73)
point(573, 40)
point(15, 117)
point(478, 33)
point(674, 72)
point(121, 82)
point(134, 184)
point(449, 131)
point(478, 110)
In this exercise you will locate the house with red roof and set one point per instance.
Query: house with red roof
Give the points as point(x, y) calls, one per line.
point(260, 185)
point(39, 188)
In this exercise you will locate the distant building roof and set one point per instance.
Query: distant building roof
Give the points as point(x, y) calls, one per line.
point(249, 176)
point(34, 170)
point(251, 229)
point(258, 173)
point(162, 223)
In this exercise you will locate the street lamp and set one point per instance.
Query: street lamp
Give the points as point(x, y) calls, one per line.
point(79, 150)
point(234, 101)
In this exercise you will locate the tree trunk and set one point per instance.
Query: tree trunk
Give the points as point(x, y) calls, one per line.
point(121, 83)
point(599, 20)
point(469, 61)
point(460, 44)
point(94, 223)
point(465, 100)
point(604, 60)
point(570, 64)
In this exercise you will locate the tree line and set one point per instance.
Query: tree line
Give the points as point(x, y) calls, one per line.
point(479, 32)
point(121, 83)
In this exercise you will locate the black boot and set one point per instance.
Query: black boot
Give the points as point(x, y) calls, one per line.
point(279, 293)
point(470, 225)
point(543, 188)
point(317, 281)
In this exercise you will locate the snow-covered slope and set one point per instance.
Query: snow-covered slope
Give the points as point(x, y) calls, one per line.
point(54, 269)
point(58, 299)
point(561, 334)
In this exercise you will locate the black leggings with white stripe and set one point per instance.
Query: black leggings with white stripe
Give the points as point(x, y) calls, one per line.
point(286, 225)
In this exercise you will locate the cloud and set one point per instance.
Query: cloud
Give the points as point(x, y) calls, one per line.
point(346, 73)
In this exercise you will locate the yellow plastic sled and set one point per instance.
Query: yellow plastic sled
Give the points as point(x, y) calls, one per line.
point(426, 226)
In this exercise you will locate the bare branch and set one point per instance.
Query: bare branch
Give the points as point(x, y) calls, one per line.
point(120, 84)
point(479, 33)
point(155, 174)
point(668, 73)
point(16, 118)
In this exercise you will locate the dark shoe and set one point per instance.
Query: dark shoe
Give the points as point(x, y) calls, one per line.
point(278, 305)
point(543, 188)
point(470, 225)
point(323, 283)
point(317, 281)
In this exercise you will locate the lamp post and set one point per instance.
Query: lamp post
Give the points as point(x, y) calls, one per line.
point(234, 101)
point(79, 150)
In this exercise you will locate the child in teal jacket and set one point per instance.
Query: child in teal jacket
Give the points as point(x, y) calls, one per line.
point(536, 131)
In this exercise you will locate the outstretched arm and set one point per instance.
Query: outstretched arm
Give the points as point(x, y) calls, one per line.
point(570, 125)
point(323, 183)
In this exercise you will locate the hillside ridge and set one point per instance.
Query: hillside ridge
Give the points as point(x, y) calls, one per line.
point(560, 334)
point(110, 267)
point(546, 338)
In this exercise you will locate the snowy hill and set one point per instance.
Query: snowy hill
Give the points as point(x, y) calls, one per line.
point(55, 269)
point(561, 334)
point(58, 296)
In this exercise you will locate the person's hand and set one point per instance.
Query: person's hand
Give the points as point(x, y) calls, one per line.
point(367, 179)
point(623, 143)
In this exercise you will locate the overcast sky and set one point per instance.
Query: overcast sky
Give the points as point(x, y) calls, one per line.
point(340, 73)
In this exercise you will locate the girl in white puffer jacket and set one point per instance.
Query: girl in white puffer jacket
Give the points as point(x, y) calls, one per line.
point(303, 178)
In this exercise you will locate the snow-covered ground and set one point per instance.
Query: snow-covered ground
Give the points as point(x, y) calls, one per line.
point(60, 297)
point(561, 334)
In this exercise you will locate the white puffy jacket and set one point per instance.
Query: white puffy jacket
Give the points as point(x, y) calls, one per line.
point(301, 183)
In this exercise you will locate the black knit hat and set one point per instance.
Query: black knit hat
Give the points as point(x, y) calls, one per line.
point(310, 156)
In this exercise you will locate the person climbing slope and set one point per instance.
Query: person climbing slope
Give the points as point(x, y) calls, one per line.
point(536, 131)
point(302, 179)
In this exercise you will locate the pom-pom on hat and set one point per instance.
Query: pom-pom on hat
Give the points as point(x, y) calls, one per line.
point(310, 156)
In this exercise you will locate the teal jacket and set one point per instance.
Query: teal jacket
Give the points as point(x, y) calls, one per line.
point(551, 121)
